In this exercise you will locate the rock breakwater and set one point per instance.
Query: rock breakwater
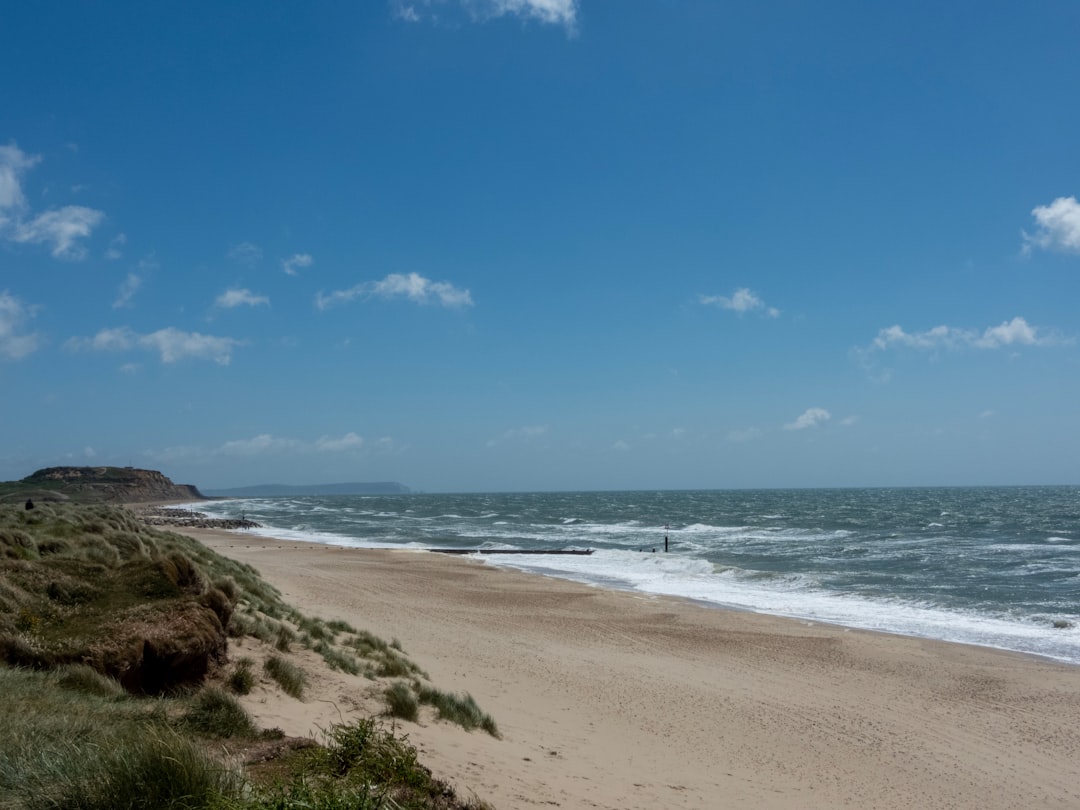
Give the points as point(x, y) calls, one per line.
point(188, 518)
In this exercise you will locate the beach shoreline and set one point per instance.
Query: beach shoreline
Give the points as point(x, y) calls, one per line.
point(615, 699)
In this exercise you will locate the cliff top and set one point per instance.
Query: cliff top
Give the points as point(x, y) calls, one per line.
point(97, 485)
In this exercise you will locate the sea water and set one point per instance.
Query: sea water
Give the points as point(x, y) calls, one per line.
point(998, 567)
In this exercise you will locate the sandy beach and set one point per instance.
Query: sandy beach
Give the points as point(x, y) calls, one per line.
point(613, 700)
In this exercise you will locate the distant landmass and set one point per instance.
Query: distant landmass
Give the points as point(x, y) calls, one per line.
point(97, 485)
point(274, 490)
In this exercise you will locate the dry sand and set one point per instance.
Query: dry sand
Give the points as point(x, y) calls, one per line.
point(619, 701)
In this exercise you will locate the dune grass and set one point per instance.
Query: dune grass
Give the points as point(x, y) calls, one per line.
point(213, 712)
point(288, 676)
point(82, 586)
point(242, 680)
point(460, 709)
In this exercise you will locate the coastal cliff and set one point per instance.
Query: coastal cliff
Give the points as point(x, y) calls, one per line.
point(98, 485)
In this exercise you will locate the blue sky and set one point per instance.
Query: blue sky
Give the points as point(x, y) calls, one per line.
point(542, 244)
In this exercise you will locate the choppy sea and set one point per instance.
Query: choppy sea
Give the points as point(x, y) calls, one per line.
point(998, 567)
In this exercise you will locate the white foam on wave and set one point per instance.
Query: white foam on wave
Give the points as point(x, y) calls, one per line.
point(688, 576)
point(799, 597)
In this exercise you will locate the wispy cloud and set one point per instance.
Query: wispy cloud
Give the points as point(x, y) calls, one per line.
point(527, 433)
point(741, 301)
point(171, 344)
point(744, 435)
point(116, 247)
point(1017, 332)
point(60, 228)
point(810, 418)
point(1057, 226)
point(331, 444)
point(295, 262)
point(267, 444)
point(14, 163)
point(259, 445)
point(245, 253)
point(15, 342)
point(413, 287)
point(239, 297)
point(553, 12)
point(127, 291)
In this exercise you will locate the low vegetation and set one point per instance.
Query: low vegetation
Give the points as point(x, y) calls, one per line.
point(119, 690)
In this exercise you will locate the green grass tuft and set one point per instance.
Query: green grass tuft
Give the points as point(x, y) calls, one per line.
point(337, 659)
point(401, 702)
point(216, 713)
point(165, 771)
point(242, 680)
point(285, 638)
point(459, 709)
point(288, 676)
point(88, 681)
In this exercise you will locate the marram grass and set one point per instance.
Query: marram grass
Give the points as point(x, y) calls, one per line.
point(73, 737)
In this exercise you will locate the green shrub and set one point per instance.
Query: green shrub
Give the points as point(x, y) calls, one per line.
point(339, 626)
point(392, 665)
point(459, 709)
point(288, 676)
point(367, 750)
point(285, 638)
point(216, 713)
point(365, 643)
point(336, 659)
point(242, 680)
point(401, 702)
point(313, 628)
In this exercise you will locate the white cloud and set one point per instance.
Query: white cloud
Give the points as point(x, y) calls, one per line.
point(620, 446)
point(1058, 226)
point(236, 297)
point(127, 291)
point(245, 253)
point(59, 227)
point(745, 435)
point(171, 344)
point(1017, 332)
point(15, 343)
point(526, 433)
point(742, 300)
point(266, 444)
point(413, 286)
point(552, 12)
point(296, 261)
point(174, 344)
point(259, 445)
point(13, 164)
point(810, 418)
point(350, 441)
point(116, 247)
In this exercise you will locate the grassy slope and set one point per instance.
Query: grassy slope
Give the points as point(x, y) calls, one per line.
point(88, 595)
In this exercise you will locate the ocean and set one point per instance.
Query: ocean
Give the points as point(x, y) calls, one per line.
point(993, 566)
